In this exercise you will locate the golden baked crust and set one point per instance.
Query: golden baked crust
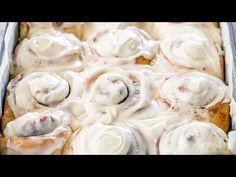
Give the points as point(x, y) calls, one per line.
point(76, 29)
point(3, 145)
point(67, 148)
point(219, 115)
point(142, 60)
point(216, 24)
point(24, 30)
point(222, 64)
point(7, 114)
point(57, 152)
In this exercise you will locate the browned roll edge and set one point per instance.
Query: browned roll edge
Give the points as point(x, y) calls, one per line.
point(220, 116)
point(67, 147)
point(24, 30)
point(7, 114)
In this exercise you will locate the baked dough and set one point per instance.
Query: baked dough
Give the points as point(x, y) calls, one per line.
point(41, 132)
point(117, 88)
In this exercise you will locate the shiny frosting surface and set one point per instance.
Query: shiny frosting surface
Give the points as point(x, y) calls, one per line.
point(117, 88)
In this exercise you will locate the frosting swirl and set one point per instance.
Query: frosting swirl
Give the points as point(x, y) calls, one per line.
point(49, 89)
point(122, 46)
point(92, 29)
point(106, 139)
point(209, 30)
point(195, 89)
point(192, 51)
point(48, 52)
point(194, 138)
point(122, 107)
point(112, 94)
point(40, 90)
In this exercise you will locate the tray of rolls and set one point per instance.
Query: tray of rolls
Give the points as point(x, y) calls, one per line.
point(118, 88)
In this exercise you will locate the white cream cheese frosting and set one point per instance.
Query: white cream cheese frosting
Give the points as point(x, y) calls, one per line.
point(38, 90)
point(112, 94)
point(30, 29)
point(195, 89)
point(114, 104)
point(190, 52)
point(48, 52)
point(41, 132)
point(106, 139)
point(159, 30)
point(194, 138)
point(120, 46)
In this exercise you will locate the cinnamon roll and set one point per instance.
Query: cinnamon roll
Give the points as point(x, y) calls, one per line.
point(91, 29)
point(40, 90)
point(122, 46)
point(117, 88)
point(130, 136)
point(194, 138)
point(190, 52)
point(48, 52)
point(82, 30)
point(29, 29)
point(197, 95)
point(112, 94)
point(210, 30)
point(152, 129)
point(106, 139)
point(41, 132)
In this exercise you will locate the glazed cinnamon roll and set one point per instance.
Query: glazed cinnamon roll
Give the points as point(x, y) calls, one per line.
point(210, 30)
point(29, 29)
point(190, 52)
point(92, 29)
point(40, 90)
point(48, 52)
point(82, 30)
point(132, 136)
point(122, 46)
point(106, 139)
point(197, 95)
point(152, 129)
point(41, 132)
point(194, 138)
point(112, 94)
point(123, 88)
